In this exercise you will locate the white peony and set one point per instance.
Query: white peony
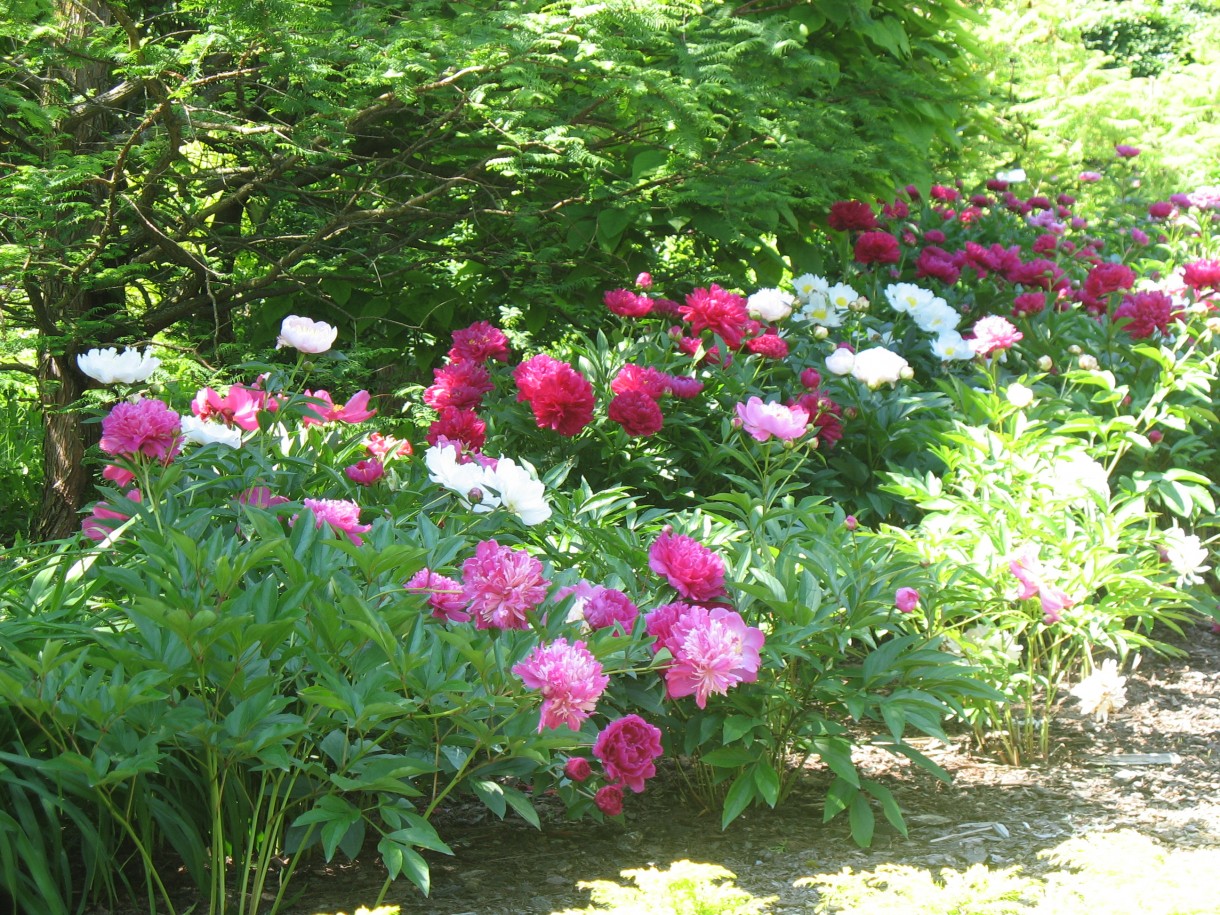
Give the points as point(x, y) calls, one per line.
point(519, 491)
point(202, 432)
point(877, 366)
point(951, 345)
point(1102, 692)
point(109, 366)
point(1186, 553)
point(1012, 176)
point(770, 305)
point(937, 316)
point(840, 362)
point(467, 480)
point(306, 335)
point(907, 297)
point(1019, 395)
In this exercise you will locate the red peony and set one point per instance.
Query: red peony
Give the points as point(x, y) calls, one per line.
point(1146, 312)
point(851, 215)
point(561, 397)
point(460, 385)
point(877, 248)
point(637, 413)
point(769, 346)
point(456, 425)
point(721, 312)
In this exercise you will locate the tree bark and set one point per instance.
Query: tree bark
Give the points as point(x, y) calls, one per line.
point(66, 479)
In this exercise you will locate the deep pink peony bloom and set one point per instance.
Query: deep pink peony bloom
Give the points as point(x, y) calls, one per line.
point(239, 407)
point(994, 334)
point(825, 416)
point(851, 215)
point(877, 248)
point(609, 800)
point(628, 748)
point(445, 596)
point(570, 680)
point(366, 472)
point(147, 427)
point(721, 312)
point(478, 343)
point(456, 425)
point(1162, 209)
point(1029, 303)
point(637, 413)
point(945, 193)
point(1124, 151)
point(119, 476)
point(1201, 274)
point(684, 387)
point(716, 650)
point(906, 599)
point(692, 569)
point(645, 379)
point(1104, 279)
point(659, 624)
point(338, 514)
point(460, 385)
point(769, 346)
point(643, 280)
point(561, 398)
point(577, 769)
point(1146, 312)
point(763, 421)
point(103, 519)
point(608, 607)
point(938, 264)
point(626, 303)
point(811, 379)
point(502, 585)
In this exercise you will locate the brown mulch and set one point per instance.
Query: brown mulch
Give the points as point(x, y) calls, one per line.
point(990, 813)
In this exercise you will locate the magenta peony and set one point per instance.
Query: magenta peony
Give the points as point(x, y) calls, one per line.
point(145, 428)
point(627, 748)
point(501, 585)
point(692, 569)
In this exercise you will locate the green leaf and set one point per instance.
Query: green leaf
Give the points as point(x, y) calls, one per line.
point(740, 795)
point(862, 821)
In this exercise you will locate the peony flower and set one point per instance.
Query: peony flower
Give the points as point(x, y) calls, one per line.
point(501, 585)
point(460, 385)
point(305, 335)
point(721, 312)
point(606, 608)
point(819, 310)
point(478, 343)
point(1186, 553)
point(366, 472)
point(577, 769)
point(562, 398)
point(144, 427)
point(1019, 395)
point(808, 285)
point(691, 569)
point(713, 651)
point(201, 432)
point(850, 215)
point(877, 366)
point(908, 298)
point(769, 346)
point(770, 305)
point(628, 748)
point(1146, 312)
point(906, 599)
point(1030, 573)
point(994, 334)
point(239, 407)
point(626, 303)
point(260, 497)
point(108, 366)
point(637, 413)
point(103, 519)
point(339, 515)
point(936, 316)
point(1201, 274)
point(766, 420)
point(570, 679)
point(840, 362)
point(447, 469)
point(877, 248)
point(1124, 151)
point(950, 346)
point(445, 596)
point(1089, 177)
point(644, 379)
point(518, 491)
point(1102, 692)
point(457, 425)
point(609, 800)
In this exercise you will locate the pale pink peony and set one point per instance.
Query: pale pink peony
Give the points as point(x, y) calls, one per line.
point(1029, 572)
point(994, 334)
point(445, 597)
point(339, 515)
point(766, 420)
point(692, 569)
point(570, 679)
point(501, 585)
point(716, 650)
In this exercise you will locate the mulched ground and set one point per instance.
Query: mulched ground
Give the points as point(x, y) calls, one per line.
point(990, 813)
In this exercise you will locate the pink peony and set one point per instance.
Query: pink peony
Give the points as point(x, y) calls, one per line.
point(609, 800)
point(460, 385)
point(1146, 312)
point(627, 748)
point(1124, 151)
point(769, 346)
point(1162, 209)
point(146, 427)
point(645, 379)
point(938, 264)
point(825, 416)
point(119, 476)
point(683, 387)
point(379, 445)
point(660, 623)
point(1089, 177)
point(577, 769)
point(338, 514)
point(766, 420)
point(445, 596)
point(1029, 303)
point(627, 304)
point(994, 334)
point(239, 407)
point(103, 519)
point(906, 599)
point(366, 472)
point(637, 413)
point(850, 215)
point(692, 569)
point(1201, 274)
point(502, 585)
point(716, 650)
point(562, 398)
point(877, 248)
point(721, 312)
point(1029, 572)
point(456, 425)
point(609, 607)
point(260, 497)
point(570, 680)
point(478, 343)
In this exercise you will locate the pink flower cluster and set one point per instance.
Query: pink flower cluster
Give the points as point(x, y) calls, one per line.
point(339, 515)
point(458, 387)
point(691, 569)
point(561, 398)
point(239, 406)
point(321, 409)
point(103, 519)
point(712, 650)
point(146, 428)
point(446, 597)
point(1030, 573)
point(570, 679)
point(501, 585)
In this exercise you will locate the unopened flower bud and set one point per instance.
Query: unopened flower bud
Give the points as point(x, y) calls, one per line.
point(1075, 350)
point(859, 305)
point(850, 412)
point(1089, 363)
point(906, 373)
point(1156, 436)
point(1045, 363)
point(851, 523)
point(820, 333)
point(475, 496)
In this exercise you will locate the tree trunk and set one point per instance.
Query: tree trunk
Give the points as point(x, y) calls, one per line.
point(66, 479)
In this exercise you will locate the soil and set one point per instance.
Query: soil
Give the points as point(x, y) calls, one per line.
point(990, 812)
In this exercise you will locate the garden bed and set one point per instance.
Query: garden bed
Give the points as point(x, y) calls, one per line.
point(991, 813)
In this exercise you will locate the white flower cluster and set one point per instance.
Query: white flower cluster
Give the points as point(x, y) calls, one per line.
point(934, 315)
point(1102, 692)
point(203, 432)
point(1186, 553)
point(770, 305)
point(485, 487)
point(821, 303)
point(871, 367)
point(109, 366)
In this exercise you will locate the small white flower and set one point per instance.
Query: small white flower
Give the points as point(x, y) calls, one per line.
point(987, 639)
point(907, 297)
point(1019, 395)
point(445, 470)
point(877, 366)
point(519, 491)
point(842, 296)
point(1012, 176)
point(809, 284)
point(770, 305)
point(951, 345)
point(840, 362)
point(108, 366)
point(1186, 553)
point(1102, 692)
point(202, 432)
point(819, 311)
point(306, 335)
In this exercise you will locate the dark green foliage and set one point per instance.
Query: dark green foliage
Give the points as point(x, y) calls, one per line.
point(1145, 37)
